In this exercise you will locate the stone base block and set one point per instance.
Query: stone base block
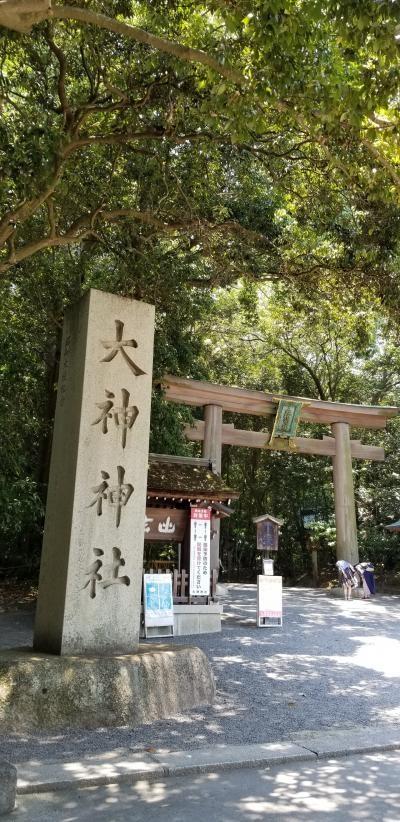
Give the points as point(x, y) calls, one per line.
point(190, 620)
point(197, 619)
point(8, 786)
point(41, 691)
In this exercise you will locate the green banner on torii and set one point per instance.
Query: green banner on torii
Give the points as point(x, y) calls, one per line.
point(286, 421)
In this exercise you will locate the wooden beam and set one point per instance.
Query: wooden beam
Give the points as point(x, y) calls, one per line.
point(243, 401)
point(197, 462)
point(302, 445)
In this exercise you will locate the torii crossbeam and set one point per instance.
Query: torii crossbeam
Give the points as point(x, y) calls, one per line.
point(340, 416)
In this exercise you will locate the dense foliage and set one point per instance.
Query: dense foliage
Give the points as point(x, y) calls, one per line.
point(323, 346)
point(251, 194)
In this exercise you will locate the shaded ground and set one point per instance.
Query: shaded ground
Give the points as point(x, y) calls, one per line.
point(332, 664)
point(16, 594)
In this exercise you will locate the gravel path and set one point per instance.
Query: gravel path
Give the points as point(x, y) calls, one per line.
point(333, 663)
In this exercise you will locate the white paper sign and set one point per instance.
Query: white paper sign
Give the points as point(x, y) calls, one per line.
point(268, 567)
point(200, 519)
point(269, 601)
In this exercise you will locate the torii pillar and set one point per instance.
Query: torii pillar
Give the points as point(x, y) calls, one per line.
point(212, 450)
point(345, 507)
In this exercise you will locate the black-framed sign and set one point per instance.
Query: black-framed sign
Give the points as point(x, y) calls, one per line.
point(267, 535)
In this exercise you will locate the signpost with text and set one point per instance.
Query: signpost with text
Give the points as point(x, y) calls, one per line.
point(269, 601)
point(200, 519)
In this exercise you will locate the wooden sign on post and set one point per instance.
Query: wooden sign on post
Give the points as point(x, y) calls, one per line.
point(267, 535)
point(267, 532)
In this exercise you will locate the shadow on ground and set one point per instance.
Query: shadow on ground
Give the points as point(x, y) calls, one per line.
point(333, 663)
point(363, 788)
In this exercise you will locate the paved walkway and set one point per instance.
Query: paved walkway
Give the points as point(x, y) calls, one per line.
point(336, 790)
point(332, 663)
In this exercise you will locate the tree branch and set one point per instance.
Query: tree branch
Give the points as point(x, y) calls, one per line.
point(28, 207)
point(30, 12)
point(307, 367)
point(140, 36)
point(37, 11)
point(50, 214)
point(28, 250)
point(146, 134)
point(65, 108)
point(148, 218)
point(382, 160)
point(85, 225)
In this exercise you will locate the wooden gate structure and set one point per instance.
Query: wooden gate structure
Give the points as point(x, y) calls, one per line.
point(340, 447)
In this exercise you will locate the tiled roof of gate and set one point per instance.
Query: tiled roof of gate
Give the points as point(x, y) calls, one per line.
point(189, 481)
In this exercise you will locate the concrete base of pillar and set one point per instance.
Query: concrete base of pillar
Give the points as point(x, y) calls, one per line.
point(41, 691)
point(8, 787)
point(190, 620)
point(197, 619)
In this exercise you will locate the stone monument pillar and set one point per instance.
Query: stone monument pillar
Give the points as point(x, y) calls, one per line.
point(91, 572)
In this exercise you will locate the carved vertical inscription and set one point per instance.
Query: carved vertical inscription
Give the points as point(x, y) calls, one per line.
point(119, 345)
point(123, 416)
point(117, 495)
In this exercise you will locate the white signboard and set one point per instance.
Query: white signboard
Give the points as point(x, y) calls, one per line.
point(200, 519)
point(158, 602)
point(268, 567)
point(269, 601)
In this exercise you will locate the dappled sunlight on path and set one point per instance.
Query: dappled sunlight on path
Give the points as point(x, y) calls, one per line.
point(333, 663)
point(336, 790)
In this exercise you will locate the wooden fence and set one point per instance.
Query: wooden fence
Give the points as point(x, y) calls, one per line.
point(180, 586)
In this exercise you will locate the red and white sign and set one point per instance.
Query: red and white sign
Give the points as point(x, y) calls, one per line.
point(200, 521)
point(269, 601)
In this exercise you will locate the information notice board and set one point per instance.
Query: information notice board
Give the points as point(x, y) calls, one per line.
point(269, 601)
point(267, 535)
point(158, 603)
point(200, 520)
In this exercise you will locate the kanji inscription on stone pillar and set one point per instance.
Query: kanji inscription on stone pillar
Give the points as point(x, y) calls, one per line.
point(91, 572)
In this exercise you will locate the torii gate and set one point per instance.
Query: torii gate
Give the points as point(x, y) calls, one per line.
point(340, 416)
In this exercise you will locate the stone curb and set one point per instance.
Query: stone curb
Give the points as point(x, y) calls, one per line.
point(348, 741)
point(127, 766)
point(8, 784)
point(114, 767)
point(229, 757)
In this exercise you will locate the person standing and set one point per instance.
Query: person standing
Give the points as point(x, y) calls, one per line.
point(366, 572)
point(347, 577)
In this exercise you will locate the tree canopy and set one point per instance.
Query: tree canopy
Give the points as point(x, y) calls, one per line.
point(104, 135)
point(237, 165)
